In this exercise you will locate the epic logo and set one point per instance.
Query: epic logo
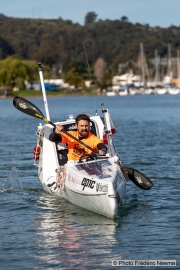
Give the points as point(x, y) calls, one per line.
point(88, 183)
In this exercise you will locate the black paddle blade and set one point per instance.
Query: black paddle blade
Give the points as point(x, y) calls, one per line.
point(27, 107)
point(138, 178)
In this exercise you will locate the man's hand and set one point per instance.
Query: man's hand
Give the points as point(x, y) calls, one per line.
point(102, 153)
point(58, 129)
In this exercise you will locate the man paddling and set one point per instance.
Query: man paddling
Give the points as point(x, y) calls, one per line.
point(75, 149)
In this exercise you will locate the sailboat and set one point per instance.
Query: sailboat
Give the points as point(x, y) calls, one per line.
point(167, 88)
point(175, 90)
point(143, 89)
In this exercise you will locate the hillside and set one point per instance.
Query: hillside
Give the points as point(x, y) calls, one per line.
point(61, 43)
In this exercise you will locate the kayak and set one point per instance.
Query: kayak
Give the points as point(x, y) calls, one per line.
point(94, 182)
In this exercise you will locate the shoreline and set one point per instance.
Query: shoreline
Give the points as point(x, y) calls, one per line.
point(23, 94)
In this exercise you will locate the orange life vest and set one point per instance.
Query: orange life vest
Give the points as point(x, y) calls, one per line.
point(75, 149)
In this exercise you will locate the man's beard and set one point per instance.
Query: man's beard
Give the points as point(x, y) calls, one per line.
point(84, 133)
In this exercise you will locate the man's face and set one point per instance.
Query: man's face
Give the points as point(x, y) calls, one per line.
point(83, 128)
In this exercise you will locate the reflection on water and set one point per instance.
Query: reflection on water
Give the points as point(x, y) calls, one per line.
point(76, 238)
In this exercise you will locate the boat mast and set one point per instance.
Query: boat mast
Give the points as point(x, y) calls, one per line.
point(178, 70)
point(109, 130)
point(169, 68)
point(144, 67)
point(157, 61)
point(43, 91)
point(142, 64)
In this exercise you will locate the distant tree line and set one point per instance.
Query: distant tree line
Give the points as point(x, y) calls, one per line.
point(67, 49)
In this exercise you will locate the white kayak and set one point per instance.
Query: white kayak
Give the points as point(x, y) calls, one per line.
point(94, 183)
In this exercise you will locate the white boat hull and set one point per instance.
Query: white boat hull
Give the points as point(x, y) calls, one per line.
point(111, 93)
point(123, 92)
point(101, 195)
point(132, 91)
point(148, 91)
point(173, 91)
point(161, 91)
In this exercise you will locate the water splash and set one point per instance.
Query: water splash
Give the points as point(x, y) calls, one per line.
point(12, 181)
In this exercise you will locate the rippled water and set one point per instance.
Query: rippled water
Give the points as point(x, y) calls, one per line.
point(39, 231)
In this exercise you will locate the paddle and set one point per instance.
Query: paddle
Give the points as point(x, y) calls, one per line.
point(29, 108)
point(138, 178)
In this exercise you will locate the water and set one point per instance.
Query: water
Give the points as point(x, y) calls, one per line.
point(39, 231)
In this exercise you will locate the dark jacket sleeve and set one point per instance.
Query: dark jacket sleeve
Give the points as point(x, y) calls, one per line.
point(53, 137)
point(102, 146)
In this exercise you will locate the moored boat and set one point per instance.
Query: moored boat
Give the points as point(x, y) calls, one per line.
point(111, 93)
point(173, 90)
point(160, 90)
point(123, 92)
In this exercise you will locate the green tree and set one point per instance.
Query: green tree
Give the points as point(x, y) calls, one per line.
point(124, 19)
point(90, 17)
point(99, 69)
point(106, 81)
point(16, 72)
point(74, 78)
